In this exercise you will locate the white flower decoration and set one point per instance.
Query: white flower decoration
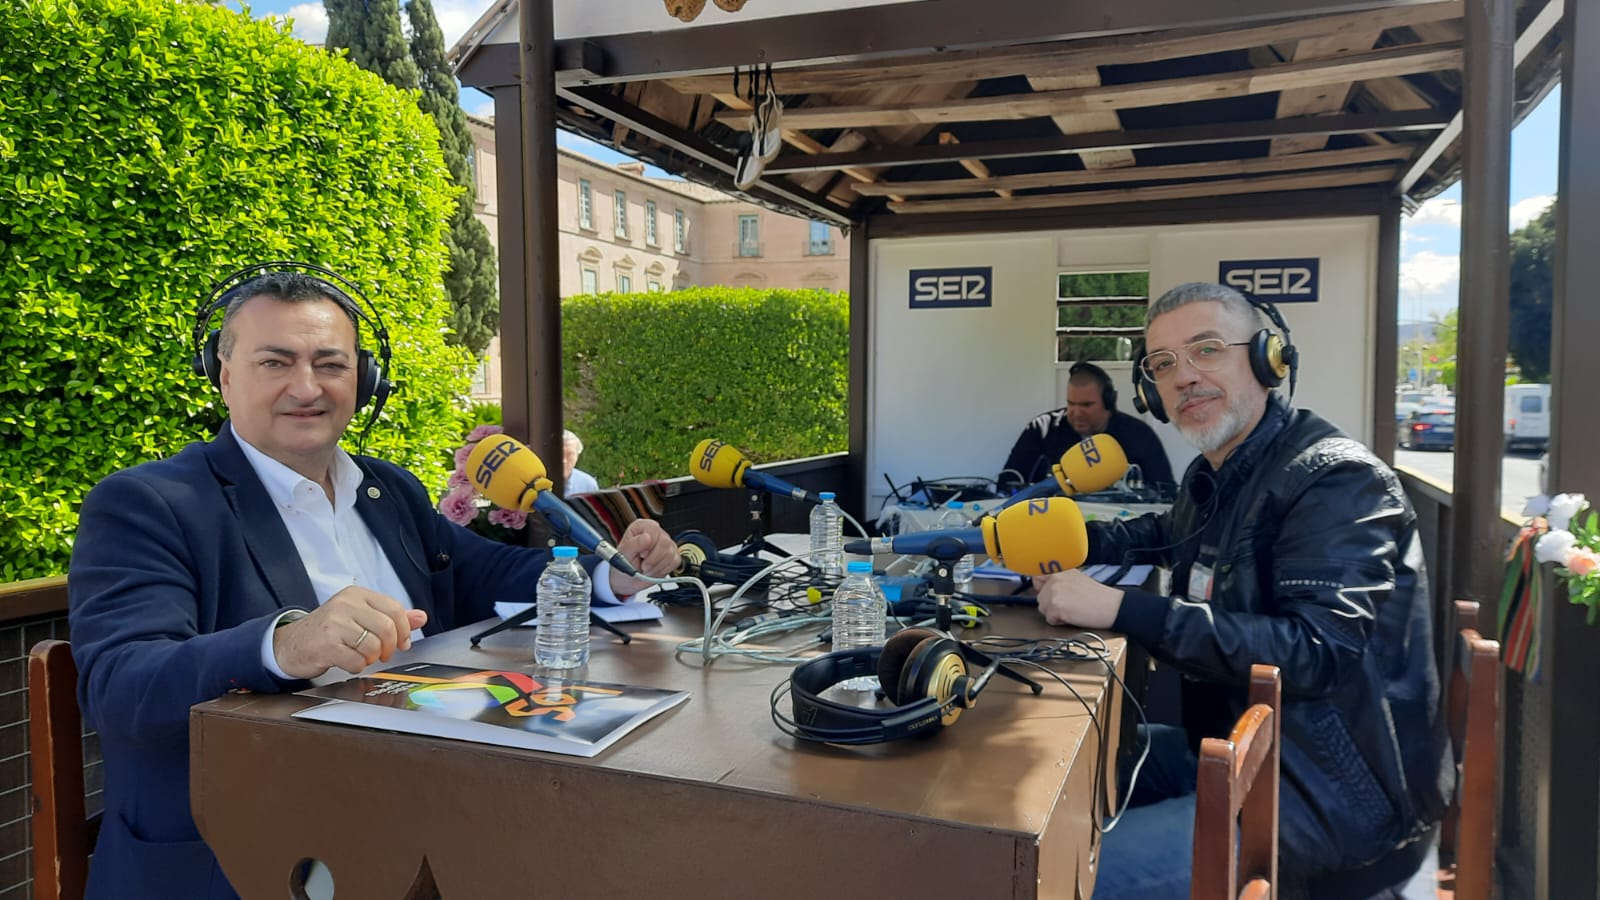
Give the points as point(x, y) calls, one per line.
point(1562, 508)
point(1554, 546)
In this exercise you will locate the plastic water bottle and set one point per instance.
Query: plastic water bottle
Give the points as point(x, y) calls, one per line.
point(826, 536)
point(562, 641)
point(860, 614)
point(955, 516)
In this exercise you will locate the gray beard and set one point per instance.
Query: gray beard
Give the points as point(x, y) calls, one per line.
point(1227, 425)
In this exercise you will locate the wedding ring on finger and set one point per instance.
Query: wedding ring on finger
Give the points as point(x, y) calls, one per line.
point(357, 644)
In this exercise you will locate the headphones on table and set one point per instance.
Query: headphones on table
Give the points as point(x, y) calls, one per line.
point(929, 677)
point(371, 385)
point(1273, 357)
point(1108, 392)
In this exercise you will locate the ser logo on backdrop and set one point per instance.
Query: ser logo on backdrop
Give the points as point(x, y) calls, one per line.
point(952, 288)
point(1276, 280)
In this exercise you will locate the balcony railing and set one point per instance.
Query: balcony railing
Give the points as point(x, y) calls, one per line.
point(747, 248)
point(819, 248)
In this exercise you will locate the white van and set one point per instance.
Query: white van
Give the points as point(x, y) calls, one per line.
point(1527, 416)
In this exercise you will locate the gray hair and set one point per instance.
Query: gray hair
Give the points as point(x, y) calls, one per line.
point(285, 287)
point(1242, 310)
point(567, 437)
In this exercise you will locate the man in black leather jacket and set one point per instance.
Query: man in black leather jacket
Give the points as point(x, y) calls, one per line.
point(1290, 544)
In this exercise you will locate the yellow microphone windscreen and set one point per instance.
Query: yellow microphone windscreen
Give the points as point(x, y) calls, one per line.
point(1037, 537)
point(717, 464)
point(1093, 464)
point(503, 469)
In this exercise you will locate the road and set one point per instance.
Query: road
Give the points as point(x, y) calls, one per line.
point(1519, 475)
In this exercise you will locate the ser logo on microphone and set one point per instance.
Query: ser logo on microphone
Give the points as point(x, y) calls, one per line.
point(709, 457)
point(1091, 453)
point(492, 461)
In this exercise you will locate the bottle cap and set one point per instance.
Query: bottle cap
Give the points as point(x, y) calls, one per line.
point(826, 496)
point(957, 504)
point(565, 552)
point(859, 567)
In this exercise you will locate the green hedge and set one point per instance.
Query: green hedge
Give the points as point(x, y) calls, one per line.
point(146, 148)
point(646, 376)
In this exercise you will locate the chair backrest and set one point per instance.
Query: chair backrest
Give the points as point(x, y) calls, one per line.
point(1472, 708)
point(1236, 802)
point(62, 834)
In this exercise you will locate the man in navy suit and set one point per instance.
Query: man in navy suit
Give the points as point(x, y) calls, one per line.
point(258, 561)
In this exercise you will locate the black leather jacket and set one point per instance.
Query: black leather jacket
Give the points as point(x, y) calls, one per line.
point(1315, 568)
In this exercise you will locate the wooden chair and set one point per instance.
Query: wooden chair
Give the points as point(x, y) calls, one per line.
point(62, 835)
point(1472, 709)
point(1236, 802)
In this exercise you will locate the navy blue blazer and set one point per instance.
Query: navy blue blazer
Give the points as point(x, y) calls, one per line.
point(178, 568)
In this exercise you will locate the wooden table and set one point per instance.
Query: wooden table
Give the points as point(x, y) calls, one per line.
point(708, 800)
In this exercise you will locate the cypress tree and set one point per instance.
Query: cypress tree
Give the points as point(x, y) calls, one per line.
point(470, 278)
point(370, 30)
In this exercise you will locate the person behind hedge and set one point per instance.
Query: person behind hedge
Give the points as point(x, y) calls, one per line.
point(577, 480)
point(255, 562)
point(1289, 544)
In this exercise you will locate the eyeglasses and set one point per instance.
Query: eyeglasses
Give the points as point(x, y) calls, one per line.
point(1206, 356)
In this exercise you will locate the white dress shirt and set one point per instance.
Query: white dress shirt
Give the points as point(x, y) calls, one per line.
point(334, 542)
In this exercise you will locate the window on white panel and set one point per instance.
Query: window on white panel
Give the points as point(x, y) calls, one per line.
point(1100, 315)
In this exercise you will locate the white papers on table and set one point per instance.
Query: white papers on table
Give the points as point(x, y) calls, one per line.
point(632, 611)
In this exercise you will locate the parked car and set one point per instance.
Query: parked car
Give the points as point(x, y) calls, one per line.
point(1527, 416)
point(1429, 428)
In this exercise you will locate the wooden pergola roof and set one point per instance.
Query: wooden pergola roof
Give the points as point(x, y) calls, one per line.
point(1276, 97)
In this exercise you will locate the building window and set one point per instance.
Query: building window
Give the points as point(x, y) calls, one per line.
point(820, 242)
point(480, 377)
point(624, 284)
point(654, 287)
point(1100, 315)
point(749, 236)
point(651, 237)
point(585, 204)
point(591, 281)
point(622, 214)
point(680, 232)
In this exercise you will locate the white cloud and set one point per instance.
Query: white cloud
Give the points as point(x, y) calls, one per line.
point(1524, 211)
point(1438, 211)
point(483, 108)
point(1430, 285)
point(310, 22)
point(456, 16)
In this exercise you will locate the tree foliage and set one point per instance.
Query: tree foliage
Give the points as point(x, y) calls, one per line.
point(147, 148)
point(370, 31)
point(471, 278)
point(1532, 289)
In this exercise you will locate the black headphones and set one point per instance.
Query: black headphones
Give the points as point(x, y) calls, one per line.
point(926, 675)
point(699, 557)
point(1273, 357)
point(371, 385)
point(1108, 393)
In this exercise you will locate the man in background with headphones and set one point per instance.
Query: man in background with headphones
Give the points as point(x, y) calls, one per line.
point(1091, 409)
point(1290, 544)
point(262, 559)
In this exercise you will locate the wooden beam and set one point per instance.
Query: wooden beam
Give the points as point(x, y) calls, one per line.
point(1136, 139)
point(976, 167)
point(1253, 185)
point(602, 102)
point(1311, 101)
point(885, 31)
point(1051, 60)
point(1086, 122)
point(1079, 178)
point(1382, 63)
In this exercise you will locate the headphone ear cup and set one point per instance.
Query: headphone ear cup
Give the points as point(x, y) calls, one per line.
point(1147, 399)
point(936, 671)
point(1266, 358)
point(368, 374)
point(896, 653)
point(207, 362)
point(1108, 397)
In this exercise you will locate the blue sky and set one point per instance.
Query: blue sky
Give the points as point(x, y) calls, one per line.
point(1430, 241)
